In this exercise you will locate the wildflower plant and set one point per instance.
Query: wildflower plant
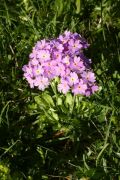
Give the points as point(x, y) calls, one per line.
point(62, 59)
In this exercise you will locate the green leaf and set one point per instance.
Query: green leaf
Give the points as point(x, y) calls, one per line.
point(59, 101)
point(40, 151)
point(59, 7)
point(64, 109)
point(78, 6)
point(69, 99)
point(99, 72)
point(40, 102)
point(54, 115)
point(37, 99)
point(48, 99)
point(9, 57)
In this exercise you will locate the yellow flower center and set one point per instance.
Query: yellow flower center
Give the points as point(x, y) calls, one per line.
point(72, 79)
point(37, 71)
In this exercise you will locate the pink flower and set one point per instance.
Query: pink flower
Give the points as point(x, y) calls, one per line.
point(33, 54)
point(49, 72)
point(94, 88)
point(30, 81)
point(73, 78)
point(28, 70)
point(34, 62)
point(63, 39)
point(60, 70)
point(66, 60)
point(58, 46)
point(79, 88)
point(42, 45)
point(88, 76)
point(67, 33)
point(77, 64)
point(74, 45)
point(57, 56)
point(37, 70)
point(41, 82)
point(63, 87)
point(51, 63)
point(43, 55)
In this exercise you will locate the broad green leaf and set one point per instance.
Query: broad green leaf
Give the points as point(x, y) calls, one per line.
point(48, 99)
point(64, 109)
point(69, 99)
point(40, 102)
point(54, 115)
point(37, 99)
point(59, 101)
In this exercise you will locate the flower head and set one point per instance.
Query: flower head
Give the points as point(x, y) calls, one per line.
point(88, 77)
point(43, 55)
point(73, 78)
point(63, 87)
point(79, 88)
point(41, 82)
point(63, 58)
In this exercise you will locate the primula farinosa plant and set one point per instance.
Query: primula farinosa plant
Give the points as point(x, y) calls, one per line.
point(61, 58)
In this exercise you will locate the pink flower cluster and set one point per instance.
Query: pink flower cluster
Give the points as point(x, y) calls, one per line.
point(61, 57)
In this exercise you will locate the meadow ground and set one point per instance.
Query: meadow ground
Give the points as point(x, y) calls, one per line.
point(35, 141)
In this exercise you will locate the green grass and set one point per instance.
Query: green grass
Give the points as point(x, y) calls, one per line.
point(84, 144)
